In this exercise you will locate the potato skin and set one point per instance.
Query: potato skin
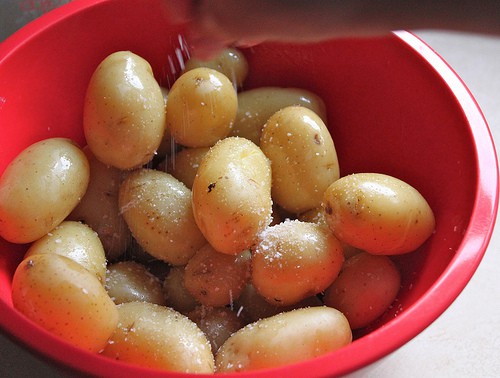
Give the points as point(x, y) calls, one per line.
point(232, 195)
point(303, 158)
point(40, 187)
point(124, 111)
point(63, 297)
point(286, 338)
point(378, 213)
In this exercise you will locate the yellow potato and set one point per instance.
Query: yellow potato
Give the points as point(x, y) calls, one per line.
point(255, 106)
point(294, 260)
point(157, 208)
point(76, 241)
point(232, 195)
point(63, 297)
point(185, 163)
point(230, 61)
point(303, 158)
point(365, 288)
point(283, 339)
point(99, 207)
point(124, 111)
point(40, 187)
point(158, 337)
point(201, 107)
point(130, 281)
point(176, 293)
point(378, 213)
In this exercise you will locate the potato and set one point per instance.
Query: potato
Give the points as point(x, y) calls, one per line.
point(63, 297)
point(124, 111)
point(185, 163)
point(130, 281)
point(201, 107)
point(40, 187)
point(176, 293)
point(99, 207)
point(295, 260)
point(216, 279)
point(378, 213)
point(232, 195)
point(158, 337)
point(365, 288)
point(255, 106)
point(230, 61)
point(167, 145)
point(157, 208)
point(286, 338)
point(76, 241)
point(303, 158)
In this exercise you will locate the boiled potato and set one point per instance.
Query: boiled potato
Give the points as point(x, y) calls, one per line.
point(63, 297)
point(230, 61)
point(365, 288)
point(40, 187)
point(214, 278)
point(255, 106)
point(176, 294)
point(294, 260)
point(130, 281)
point(232, 195)
point(99, 207)
point(185, 163)
point(157, 208)
point(76, 241)
point(201, 107)
point(303, 158)
point(167, 146)
point(378, 213)
point(124, 111)
point(286, 338)
point(158, 337)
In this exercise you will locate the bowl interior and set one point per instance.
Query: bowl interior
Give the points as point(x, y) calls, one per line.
point(393, 107)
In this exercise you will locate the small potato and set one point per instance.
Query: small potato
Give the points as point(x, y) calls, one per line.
point(63, 297)
point(231, 62)
point(217, 323)
point(303, 158)
point(129, 281)
point(255, 106)
point(201, 107)
point(176, 294)
point(76, 241)
point(365, 288)
point(185, 163)
point(295, 260)
point(158, 337)
point(40, 187)
point(157, 208)
point(124, 111)
point(378, 213)
point(286, 338)
point(167, 145)
point(232, 195)
point(99, 207)
point(216, 279)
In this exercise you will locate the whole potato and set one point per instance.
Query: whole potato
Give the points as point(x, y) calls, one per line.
point(201, 107)
point(157, 208)
point(232, 195)
point(286, 338)
point(365, 288)
point(158, 337)
point(255, 106)
point(40, 187)
point(76, 241)
point(295, 260)
point(378, 213)
point(124, 111)
point(63, 297)
point(303, 158)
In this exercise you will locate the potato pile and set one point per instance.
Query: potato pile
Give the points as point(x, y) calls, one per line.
point(203, 228)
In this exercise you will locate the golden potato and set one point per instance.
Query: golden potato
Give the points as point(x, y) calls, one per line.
point(175, 291)
point(185, 163)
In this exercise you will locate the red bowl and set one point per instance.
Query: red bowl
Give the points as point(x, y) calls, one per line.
point(394, 106)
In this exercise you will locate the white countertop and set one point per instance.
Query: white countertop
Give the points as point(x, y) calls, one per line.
point(464, 341)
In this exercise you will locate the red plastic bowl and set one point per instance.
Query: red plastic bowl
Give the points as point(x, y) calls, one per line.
point(393, 106)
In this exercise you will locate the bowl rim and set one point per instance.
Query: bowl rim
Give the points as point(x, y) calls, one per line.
point(381, 341)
